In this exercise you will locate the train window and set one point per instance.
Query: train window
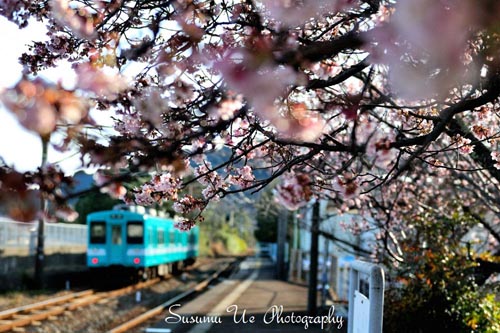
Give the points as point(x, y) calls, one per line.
point(172, 237)
point(150, 236)
point(116, 234)
point(161, 237)
point(135, 233)
point(97, 233)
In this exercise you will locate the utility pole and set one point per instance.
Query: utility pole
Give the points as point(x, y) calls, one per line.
point(312, 294)
point(282, 231)
point(39, 255)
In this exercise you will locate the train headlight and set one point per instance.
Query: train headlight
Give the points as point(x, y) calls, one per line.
point(137, 261)
point(95, 261)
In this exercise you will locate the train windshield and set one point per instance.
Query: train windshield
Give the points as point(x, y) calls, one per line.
point(97, 233)
point(135, 233)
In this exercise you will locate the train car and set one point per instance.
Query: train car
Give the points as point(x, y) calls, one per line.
point(137, 243)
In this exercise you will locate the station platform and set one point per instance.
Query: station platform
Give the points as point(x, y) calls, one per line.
point(251, 300)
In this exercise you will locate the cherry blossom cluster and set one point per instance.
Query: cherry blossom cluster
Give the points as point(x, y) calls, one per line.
point(19, 11)
point(244, 177)
point(263, 84)
point(295, 13)
point(80, 21)
point(107, 185)
point(294, 190)
point(464, 144)
point(161, 187)
point(40, 106)
point(187, 204)
point(386, 107)
point(211, 179)
point(185, 225)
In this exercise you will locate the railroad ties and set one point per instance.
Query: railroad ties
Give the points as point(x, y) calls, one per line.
point(33, 314)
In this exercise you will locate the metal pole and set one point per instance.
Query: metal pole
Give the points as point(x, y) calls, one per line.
point(313, 268)
point(39, 256)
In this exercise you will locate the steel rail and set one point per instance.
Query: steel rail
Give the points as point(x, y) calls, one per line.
point(126, 326)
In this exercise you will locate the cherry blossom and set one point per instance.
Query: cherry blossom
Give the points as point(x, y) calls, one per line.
point(496, 157)
point(99, 82)
point(294, 191)
point(243, 178)
point(187, 204)
point(388, 108)
point(185, 225)
point(294, 13)
point(423, 63)
point(105, 181)
point(40, 106)
point(79, 20)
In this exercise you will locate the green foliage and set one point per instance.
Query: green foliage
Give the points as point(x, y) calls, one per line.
point(232, 242)
point(227, 229)
point(480, 311)
point(93, 202)
point(236, 245)
point(434, 288)
point(204, 243)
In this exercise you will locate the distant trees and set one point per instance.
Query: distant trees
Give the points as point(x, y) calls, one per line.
point(93, 202)
point(267, 218)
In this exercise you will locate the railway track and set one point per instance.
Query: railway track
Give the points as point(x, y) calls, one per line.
point(157, 310)
point(34, 314)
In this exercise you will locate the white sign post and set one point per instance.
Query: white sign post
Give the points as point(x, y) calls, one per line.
point(366, 307)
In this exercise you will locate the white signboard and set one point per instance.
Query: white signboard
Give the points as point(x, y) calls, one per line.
point(366, 298)
point(361, 313)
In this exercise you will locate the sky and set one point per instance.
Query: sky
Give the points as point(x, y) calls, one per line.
point(18, 147)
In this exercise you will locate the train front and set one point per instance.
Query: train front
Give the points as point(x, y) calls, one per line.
point(113, 237)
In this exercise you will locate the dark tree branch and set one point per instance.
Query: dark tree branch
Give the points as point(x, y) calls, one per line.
point(316, 84)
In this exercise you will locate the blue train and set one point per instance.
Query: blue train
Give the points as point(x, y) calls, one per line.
point(143, 245)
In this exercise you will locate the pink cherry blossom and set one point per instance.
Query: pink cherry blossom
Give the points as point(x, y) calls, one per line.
point(294, 191)
point(99, 81)
point(187, 204)
point(144, 196)
point(244, 177)
point(464, 145)
point(347, 186)
point(434, 34)
point(495, 156)
point(79, 20)
point(40, 106)
point(262, 87)
point(185, 225)
point(294, 13)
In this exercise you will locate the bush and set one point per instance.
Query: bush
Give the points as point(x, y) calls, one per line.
point(434, 288)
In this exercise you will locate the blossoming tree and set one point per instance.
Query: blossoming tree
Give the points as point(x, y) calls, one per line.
point(386, 106)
